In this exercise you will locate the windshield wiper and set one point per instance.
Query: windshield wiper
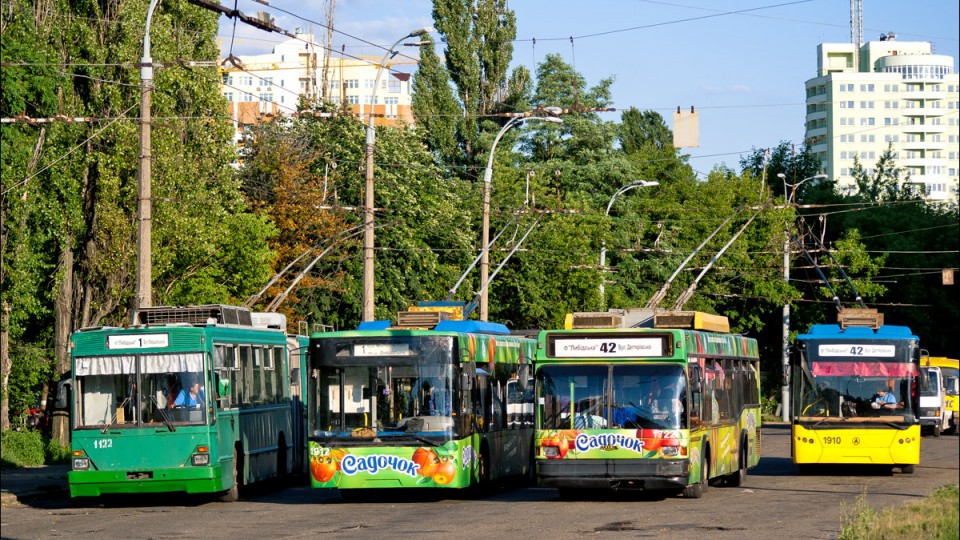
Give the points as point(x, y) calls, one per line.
point(115, 413)
point(402, 435)
point(163, 415)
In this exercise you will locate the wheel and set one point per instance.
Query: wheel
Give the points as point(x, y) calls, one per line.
point(483, 468)
point(907, 469)
point(738, 477)
point(232, 494)
point(695, 491)
point(936, 430)
point(281, 458)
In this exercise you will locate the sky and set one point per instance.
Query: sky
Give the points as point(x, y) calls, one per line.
point(741, 63)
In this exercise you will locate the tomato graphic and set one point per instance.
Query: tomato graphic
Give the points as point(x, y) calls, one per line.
point(323, 468)
point(427, 460)
point(445, 471)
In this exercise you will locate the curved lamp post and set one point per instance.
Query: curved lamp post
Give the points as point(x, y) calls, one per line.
point(785, 389)
point(603, 249)
point(487, 177)
point(368, 301)
point(795, 186)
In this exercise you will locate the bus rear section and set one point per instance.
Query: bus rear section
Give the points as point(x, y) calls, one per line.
point(855, 394)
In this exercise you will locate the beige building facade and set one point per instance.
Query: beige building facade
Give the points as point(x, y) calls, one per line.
point(886, 94)
point(264, 86)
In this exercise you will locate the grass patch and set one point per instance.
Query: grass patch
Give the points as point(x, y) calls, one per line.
point(937, 516)
point(30, 449)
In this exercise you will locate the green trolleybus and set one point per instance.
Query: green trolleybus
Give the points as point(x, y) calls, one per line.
point(430, 402)
point(191, 399)
point(637, 400)
point(855, 394)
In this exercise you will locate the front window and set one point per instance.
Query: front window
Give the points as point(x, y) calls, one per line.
point(871, 385)
point(139, 390)
point(390, 387)
point(617, 397)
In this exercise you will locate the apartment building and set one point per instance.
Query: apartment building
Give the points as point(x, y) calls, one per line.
point(886, 94)
point(263, 86)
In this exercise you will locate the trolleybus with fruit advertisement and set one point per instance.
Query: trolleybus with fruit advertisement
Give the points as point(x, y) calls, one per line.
point(637, 400)
point(189, 399)
point(854, 388)
point(423, 403)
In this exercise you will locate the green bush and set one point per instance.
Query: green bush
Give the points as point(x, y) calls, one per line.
point(56, 453)
point(22, 449)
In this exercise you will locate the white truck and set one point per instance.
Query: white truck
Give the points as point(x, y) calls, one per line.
point(933, 413)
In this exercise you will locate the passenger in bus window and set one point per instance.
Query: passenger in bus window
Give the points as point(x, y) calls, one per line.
point(437, 398)
point(190, 397)
point(884, 399)
point(669, 403)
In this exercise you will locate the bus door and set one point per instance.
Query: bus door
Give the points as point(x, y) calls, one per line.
point(225, 407)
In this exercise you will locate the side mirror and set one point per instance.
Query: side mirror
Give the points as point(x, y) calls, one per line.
point(63, 393)
point(696, 374)
point(523, 377)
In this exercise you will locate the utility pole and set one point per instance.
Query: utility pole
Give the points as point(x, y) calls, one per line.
point(144, 208)
point(785, 390)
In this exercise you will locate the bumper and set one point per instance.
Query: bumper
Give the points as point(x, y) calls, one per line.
point(625, 474)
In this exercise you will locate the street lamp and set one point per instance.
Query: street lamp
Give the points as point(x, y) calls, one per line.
point(785, 388)
point(603, 249)
point(795, 186)
point(487, 177)
point(368, 204)
point(144, 203)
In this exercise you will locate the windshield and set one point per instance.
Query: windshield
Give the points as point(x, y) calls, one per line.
point(933, 383)
point(388, 387)
point(617, 397)
point(951, 380)
point(834, 386)
point(136, 390)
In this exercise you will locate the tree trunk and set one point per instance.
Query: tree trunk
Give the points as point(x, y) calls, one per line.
point(6, 365)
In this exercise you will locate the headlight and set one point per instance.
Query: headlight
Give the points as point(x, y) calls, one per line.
point(550, 451)
point(199, 460)
point(669, 450)
point(81, 463)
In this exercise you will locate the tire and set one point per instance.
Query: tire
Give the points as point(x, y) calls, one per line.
point(738, 477)
point(281, 458)
point(695, 491)
point(907, 469)
point(936, 430)
point(232, 494)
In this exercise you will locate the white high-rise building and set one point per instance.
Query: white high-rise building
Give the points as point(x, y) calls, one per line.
point(266, 85)
point(887, 94)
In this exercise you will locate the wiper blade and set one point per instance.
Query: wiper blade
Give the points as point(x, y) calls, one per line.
point(166, 421)
point(115, 414)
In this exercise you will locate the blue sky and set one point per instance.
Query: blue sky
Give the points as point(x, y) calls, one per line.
point(741, 63)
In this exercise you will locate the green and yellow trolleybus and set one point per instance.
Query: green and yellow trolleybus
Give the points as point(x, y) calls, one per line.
point(637, 400)
point(191, 399)
point(429, 402)
point(854, 393)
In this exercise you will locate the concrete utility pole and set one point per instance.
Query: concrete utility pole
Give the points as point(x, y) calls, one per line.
point(368, 288)
point(785, 389)
point(144, 208)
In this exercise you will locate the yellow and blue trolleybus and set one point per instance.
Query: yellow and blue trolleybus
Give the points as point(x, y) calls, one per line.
point(854, 392)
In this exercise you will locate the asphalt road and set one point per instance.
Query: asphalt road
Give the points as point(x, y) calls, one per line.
point(775, 502)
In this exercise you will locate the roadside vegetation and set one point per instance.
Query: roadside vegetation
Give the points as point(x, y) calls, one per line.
point(937, 516)
point(30, 449)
